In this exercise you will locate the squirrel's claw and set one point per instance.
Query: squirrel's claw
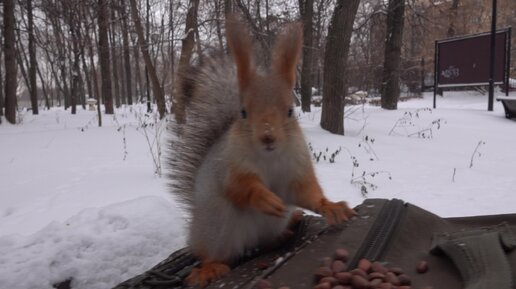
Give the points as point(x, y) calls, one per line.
point(335, 213)
point(207, 273)
point(270, 204)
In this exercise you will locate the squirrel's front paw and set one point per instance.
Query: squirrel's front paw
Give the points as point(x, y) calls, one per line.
point(268, 203)
point(207, 273)
point(335, 213)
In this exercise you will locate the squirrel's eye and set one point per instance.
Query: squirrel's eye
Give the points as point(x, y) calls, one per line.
point(243, 112)
point(290, 112)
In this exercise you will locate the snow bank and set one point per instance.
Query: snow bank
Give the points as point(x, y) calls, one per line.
point(98, 247)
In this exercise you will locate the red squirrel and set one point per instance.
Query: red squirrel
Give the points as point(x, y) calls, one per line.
point(241, 164)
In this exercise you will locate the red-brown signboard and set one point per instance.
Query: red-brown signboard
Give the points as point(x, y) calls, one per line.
point(464, 61)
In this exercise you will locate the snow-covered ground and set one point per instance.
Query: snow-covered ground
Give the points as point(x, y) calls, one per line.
point(77, 201)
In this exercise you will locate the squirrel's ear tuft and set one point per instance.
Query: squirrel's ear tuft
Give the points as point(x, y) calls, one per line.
point(287, 51)
point(240, 45)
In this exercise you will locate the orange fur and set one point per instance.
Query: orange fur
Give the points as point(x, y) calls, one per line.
point(246, 190)
point(286, 52)
point(240, 45)
point(309, 195)
point(206, 273)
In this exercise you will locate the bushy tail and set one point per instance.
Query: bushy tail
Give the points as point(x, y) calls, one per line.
point(212, 103)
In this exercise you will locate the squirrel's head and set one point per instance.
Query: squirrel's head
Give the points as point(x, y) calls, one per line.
point(267, 100)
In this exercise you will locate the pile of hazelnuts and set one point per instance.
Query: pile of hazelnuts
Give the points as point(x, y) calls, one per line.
point(332, 274)
point(367, 275)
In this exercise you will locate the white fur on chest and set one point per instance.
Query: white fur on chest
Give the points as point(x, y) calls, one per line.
point(277, 173)
point(227, 229)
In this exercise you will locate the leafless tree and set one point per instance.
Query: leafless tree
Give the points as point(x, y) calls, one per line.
point(156, 88)
point(336, 53)
point(10, 61)
point(33, 61)
point(127, 54)
point(184, 60)
point(393, 42)
point(306, 7)
point(105, 69)
point(114, 55)
point(1, 77)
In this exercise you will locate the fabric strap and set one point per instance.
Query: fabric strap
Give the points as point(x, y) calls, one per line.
point(480, 255)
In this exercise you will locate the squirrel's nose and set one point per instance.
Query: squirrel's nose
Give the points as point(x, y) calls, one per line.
point(268, 139)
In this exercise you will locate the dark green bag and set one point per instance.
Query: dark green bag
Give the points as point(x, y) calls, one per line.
point(466, 252)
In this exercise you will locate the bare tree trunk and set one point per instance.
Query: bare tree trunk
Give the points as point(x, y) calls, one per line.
point(43, 87)
point(127, 58)
point(21, 55)
point(114, 67)
point(228, 9)
point(264, 41)
point(76, 70)
point(45, 80)
point(21, 58)
point(307, 10)
point(84, 36)
point(87, 73)
point(114, 56)
point(54, 78)
point(337, 48)
point(392, 61)
point(1, 76)
point(165, 57)
point(93, 69)
point(33, 61)
point(91, 43)
point(138, 86)
point(267, 26)
point(171, 50)
point(184, 59)
point(218, 24)
point(156, 89)
point(105, 70)
point(1, 94)
point(228, 6)
point(258, 17)
point(62, 80)
point(73, 19)
point(75, 87)
point(10, 62)
point(318, 43)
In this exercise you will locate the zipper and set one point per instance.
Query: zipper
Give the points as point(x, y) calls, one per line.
point(382, 230)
